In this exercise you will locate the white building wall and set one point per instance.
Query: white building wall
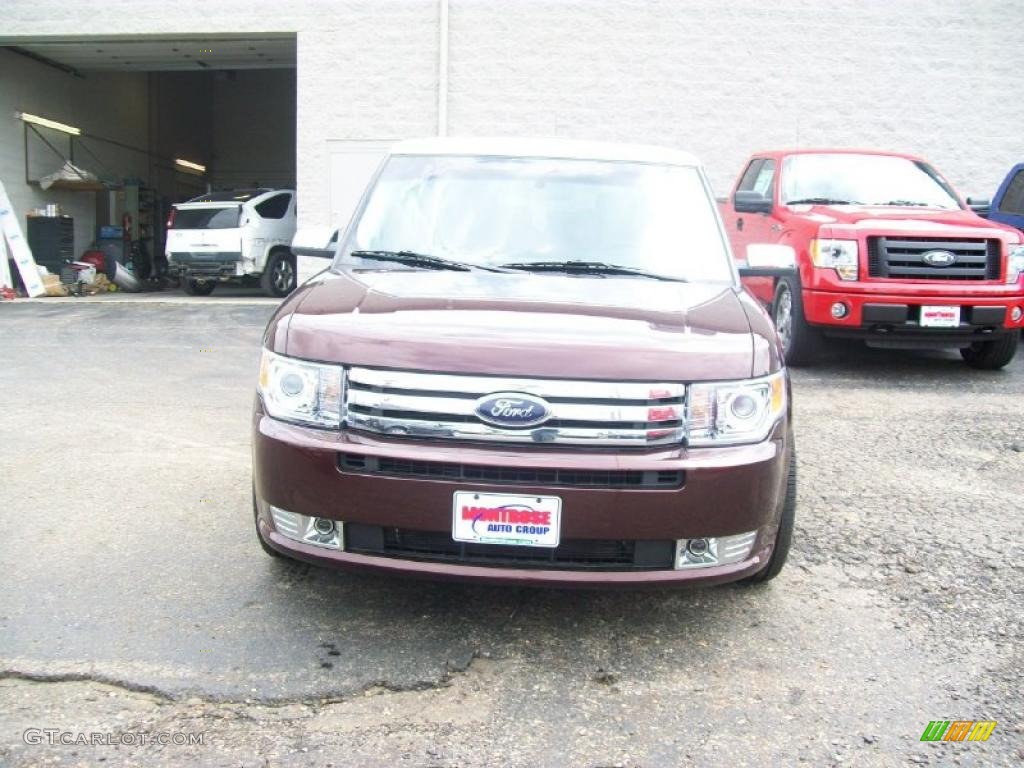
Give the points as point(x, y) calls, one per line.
point(935, 77)
point(724, 79)
point(367, 71)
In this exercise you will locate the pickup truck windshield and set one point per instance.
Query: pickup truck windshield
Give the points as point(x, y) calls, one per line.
point(645, 219)
point(847, 178)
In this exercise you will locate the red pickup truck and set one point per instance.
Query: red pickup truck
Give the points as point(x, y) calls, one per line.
point(885, 251)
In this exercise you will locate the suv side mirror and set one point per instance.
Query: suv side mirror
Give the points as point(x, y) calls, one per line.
point(318, 242)
point(980, 205)
point(765, 260)
point(748, 201)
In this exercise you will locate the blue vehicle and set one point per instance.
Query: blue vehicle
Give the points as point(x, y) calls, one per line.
point(1008, 204)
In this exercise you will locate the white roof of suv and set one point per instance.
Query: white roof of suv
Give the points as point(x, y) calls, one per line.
point(232, 196)
point(552, 148)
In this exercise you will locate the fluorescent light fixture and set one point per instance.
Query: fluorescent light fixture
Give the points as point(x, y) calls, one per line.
point(50, 123)
point(190, 165)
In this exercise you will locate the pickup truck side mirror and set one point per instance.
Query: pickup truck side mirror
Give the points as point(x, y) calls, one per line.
point(766, 260)
point(318, 242)
point(980, 205)
point(748, 201)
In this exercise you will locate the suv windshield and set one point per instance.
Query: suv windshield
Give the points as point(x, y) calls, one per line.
point(497, 211)
point(847, 178)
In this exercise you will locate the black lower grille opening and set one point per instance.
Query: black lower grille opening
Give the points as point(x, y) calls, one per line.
point(530, 476)
point(571, 554)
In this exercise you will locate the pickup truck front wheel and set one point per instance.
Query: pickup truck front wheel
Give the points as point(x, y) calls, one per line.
point(991, 355)
point(278, 279)
point(801, 343)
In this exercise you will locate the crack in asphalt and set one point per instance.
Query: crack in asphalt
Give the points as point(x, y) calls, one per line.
point(85, 677)
point(451, 669)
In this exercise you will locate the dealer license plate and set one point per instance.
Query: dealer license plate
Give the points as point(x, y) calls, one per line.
point(940, 317)
point(504, 518)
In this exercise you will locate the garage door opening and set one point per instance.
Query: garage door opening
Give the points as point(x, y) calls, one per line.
point(130, 126)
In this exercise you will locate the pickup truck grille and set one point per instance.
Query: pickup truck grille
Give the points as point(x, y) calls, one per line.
point(584, 413)
point(903, 258)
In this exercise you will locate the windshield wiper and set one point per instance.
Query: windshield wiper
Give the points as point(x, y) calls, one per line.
point(424, 260)
point(589, 267)
point(819, 201)
point(907, 203)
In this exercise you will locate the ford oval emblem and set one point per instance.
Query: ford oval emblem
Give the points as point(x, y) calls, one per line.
point(938, 258)
point(512, 409)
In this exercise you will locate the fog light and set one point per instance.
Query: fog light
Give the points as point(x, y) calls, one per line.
point(322, 532)
point(697, 547)
point(319, 531)
point(722, 550)
point(840, 310)
point(1015, 314)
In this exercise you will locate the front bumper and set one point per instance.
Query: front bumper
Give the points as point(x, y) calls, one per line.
point(726, 492)
point(879, 317)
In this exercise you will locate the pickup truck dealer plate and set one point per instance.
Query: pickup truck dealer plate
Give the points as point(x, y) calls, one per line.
point(503, 518)
point(940, 317)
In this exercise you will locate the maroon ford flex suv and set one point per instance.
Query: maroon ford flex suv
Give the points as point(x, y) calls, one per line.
point(530, 362)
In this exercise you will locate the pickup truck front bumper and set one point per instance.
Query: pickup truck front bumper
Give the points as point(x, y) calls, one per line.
point(897, 318)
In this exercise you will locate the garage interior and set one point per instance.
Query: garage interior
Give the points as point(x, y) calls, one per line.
point(130, 126)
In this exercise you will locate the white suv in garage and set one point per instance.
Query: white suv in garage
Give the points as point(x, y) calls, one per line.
point(240, 235)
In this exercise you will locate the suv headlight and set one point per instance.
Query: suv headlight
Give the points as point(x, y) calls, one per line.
point(300, 391)
point(1015, 263)
point(840, 255)
point(735, 412)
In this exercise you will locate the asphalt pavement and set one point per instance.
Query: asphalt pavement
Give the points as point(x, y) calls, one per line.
point(136, 598)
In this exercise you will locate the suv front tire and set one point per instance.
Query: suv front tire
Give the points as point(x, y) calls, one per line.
point(278, 279)
point(784, 537)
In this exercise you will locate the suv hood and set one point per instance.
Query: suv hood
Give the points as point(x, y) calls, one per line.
point(550, 325)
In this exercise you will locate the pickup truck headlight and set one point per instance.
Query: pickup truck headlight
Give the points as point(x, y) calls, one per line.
point(840, 255)
point(735, 412)
point(300, 391)
point(1015, 263)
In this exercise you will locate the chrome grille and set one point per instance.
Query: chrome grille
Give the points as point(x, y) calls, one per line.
point(442, 406)
point(903, 258)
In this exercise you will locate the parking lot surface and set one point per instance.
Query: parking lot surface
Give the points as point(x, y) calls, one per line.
point(137, 600)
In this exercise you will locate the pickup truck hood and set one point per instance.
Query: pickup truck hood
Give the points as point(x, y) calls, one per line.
point(893, 219)
point(548, 325)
